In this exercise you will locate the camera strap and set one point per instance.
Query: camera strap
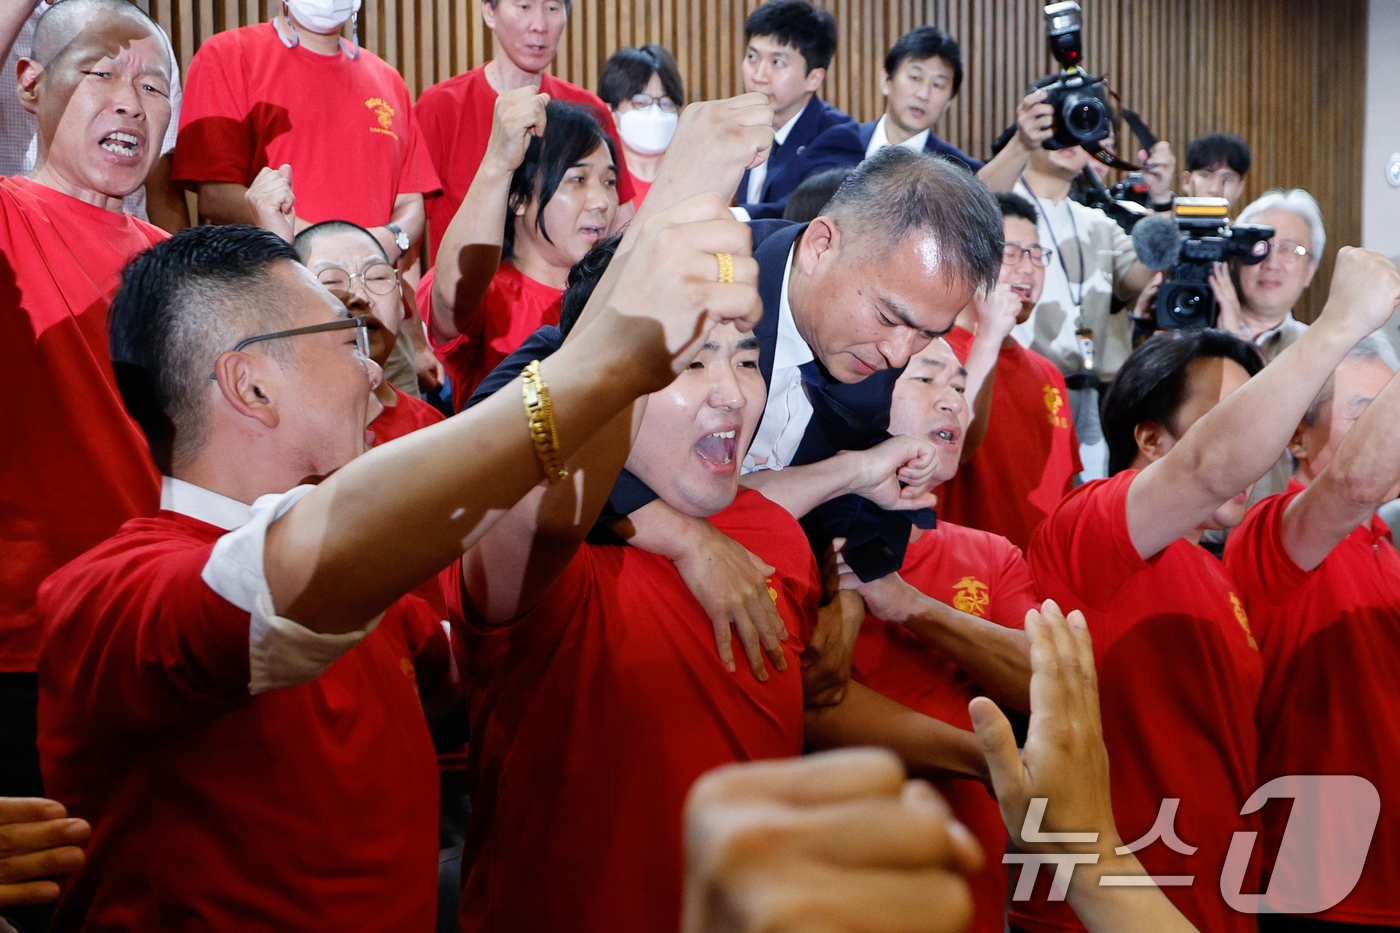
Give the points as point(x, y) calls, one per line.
point(1110, 159)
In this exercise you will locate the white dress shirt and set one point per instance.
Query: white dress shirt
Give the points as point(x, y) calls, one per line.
point(789, 411)
point(281, 653)
point(879, 139)
point(759, 175)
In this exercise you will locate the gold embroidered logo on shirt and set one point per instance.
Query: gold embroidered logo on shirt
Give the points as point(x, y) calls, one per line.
point(385, 113)
point(1243, 619)
point(1054, 401)
point(971, 596)
point(406, 666)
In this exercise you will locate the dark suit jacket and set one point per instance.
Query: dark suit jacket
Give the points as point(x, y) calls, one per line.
point(790, 164)
point(845, 416)
point(836, 145)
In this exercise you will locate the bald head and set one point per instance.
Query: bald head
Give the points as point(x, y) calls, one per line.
point(306, 241)
point(66, 19)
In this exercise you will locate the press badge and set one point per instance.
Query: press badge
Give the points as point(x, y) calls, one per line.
point(1086, 346)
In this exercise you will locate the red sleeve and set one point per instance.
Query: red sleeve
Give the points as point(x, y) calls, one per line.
point(417, 175)
point(216, 141)
point(1083, 549)
point(427, 643)
point(549, 615)
point(1014, 593)
point(433, 120)
point(142, 643)
point(1256, 557)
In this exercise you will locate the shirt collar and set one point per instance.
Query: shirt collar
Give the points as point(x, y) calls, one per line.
point(781, 134)
point(790, 349)
point(207, 506)
point(1274, 332)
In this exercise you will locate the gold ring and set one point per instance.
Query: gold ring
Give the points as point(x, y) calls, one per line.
point(726, 268)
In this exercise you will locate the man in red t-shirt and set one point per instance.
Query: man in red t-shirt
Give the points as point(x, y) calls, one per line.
point(596, 695)
point(1188, 432)
point(1021, 459)
point(948, 626)
point(230, 690)
point(1321, 581)
point(292, 92)
point(456, 114)
point(76, 466)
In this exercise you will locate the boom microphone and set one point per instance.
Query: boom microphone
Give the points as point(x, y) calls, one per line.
point(1157, 242)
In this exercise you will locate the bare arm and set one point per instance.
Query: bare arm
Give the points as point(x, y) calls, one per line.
point(996, 657)
point(928, 748)
point(223, 202)
point(165, 203)
point(411, 507)
point(1241, 438)
point(411, 217)
point(1033, 126)
point(1347, 491)
point(875, 474)
point(13, 15)
point(996, 316)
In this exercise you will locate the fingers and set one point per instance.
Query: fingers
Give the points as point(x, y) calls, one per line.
point(749, 638)
point(998, 745)
point(19, 838)
point(763, 612)
point(31, 892)
point(29, 810)
point(723, 641)
point(826, 777)
point(910, 831)
point(60, 861)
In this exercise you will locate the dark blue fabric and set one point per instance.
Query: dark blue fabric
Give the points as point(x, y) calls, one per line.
point(836, 145)
point(790, 163)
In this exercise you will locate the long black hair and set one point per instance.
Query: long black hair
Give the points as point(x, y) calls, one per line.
point(571, 133)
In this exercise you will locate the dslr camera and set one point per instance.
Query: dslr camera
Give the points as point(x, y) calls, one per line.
point(1188, 243)
point(1080, 100)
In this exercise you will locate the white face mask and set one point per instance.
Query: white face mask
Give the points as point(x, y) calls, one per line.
point(648, 131)
point(323, 16)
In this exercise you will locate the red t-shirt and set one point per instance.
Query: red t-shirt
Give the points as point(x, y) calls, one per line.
point(407, 416)
point(345, 126)
point(639, 189)
point(456, 119)
point(591, 717)
point(308, 808)
point(1179, 679)
point(75, 466)
point(1330, 639)
point(1027, 460)
point(983, 575)
point(513, 308)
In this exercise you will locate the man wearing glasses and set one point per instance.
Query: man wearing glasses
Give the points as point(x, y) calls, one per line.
point(1028, 452)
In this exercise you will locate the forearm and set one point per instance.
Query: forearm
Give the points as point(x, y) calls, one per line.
point(409, 508)
point(165, 203)
point(223, 202)
point(1002, 172)
point(1138, 278)
point(658, 528)
point(996, 657)
point(800, 489)
point(981, 382)
point(13, 14)
point(1109, 909)
point(928, 747)
point(470, 252)
point(410, 216)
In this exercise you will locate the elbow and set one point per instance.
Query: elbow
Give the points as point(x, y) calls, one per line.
point(1359, 487)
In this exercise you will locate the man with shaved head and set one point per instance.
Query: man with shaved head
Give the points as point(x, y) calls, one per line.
point(98, 82)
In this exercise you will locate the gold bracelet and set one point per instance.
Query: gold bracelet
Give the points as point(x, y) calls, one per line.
point(542, 429)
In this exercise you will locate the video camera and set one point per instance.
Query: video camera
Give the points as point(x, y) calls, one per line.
point(1189, 243)
point(1080, 100)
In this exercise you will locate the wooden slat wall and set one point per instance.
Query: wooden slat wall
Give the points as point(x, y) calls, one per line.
point(1288, 75)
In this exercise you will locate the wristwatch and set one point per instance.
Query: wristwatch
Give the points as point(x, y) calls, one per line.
point(400, 238)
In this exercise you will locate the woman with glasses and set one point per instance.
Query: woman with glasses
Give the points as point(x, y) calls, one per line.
point(643, 88)
point(546, 192)
point(350, 263)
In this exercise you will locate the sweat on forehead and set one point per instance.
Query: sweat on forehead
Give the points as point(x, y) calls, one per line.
point(66, 20)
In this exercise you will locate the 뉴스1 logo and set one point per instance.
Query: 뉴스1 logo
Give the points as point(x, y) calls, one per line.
point(385, 113)
point(1319, 860)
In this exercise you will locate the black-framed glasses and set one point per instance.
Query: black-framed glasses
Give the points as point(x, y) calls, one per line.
point(643, 100)
point(361, 325)
point(380, 278)
point(1011, 254)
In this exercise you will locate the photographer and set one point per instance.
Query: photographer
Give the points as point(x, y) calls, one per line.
point(1215, 167)
point(1094, 260)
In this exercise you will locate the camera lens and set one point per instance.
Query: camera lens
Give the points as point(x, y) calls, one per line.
point(1187, 304)
point(1085, 118)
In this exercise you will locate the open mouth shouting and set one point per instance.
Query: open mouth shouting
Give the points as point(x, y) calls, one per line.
point(717, 450)
point(945, 436)
point(121, 143)
point(593, 232)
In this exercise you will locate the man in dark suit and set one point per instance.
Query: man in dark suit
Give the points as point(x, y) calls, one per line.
point(847, 299)
point(790, 44)
point(923, 73)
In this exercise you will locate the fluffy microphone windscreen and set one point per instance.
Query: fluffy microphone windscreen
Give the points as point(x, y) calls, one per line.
point(1157, 241)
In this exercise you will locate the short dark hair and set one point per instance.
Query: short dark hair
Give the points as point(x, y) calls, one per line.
point(304, 240)
point(812, 196)
point(181, 303)
point(1151, 385)
point(583, 278)
point(629, 72)
point(898, 192)
point(1013, 205)
point(571, 133)
point(1217, 149)
point(923, 42)
point(798, 23)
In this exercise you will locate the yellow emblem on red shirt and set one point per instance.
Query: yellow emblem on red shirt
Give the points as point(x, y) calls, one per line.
point(971, 596)
point(1054, 401)
point(385, 113)
point(1243, 619)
